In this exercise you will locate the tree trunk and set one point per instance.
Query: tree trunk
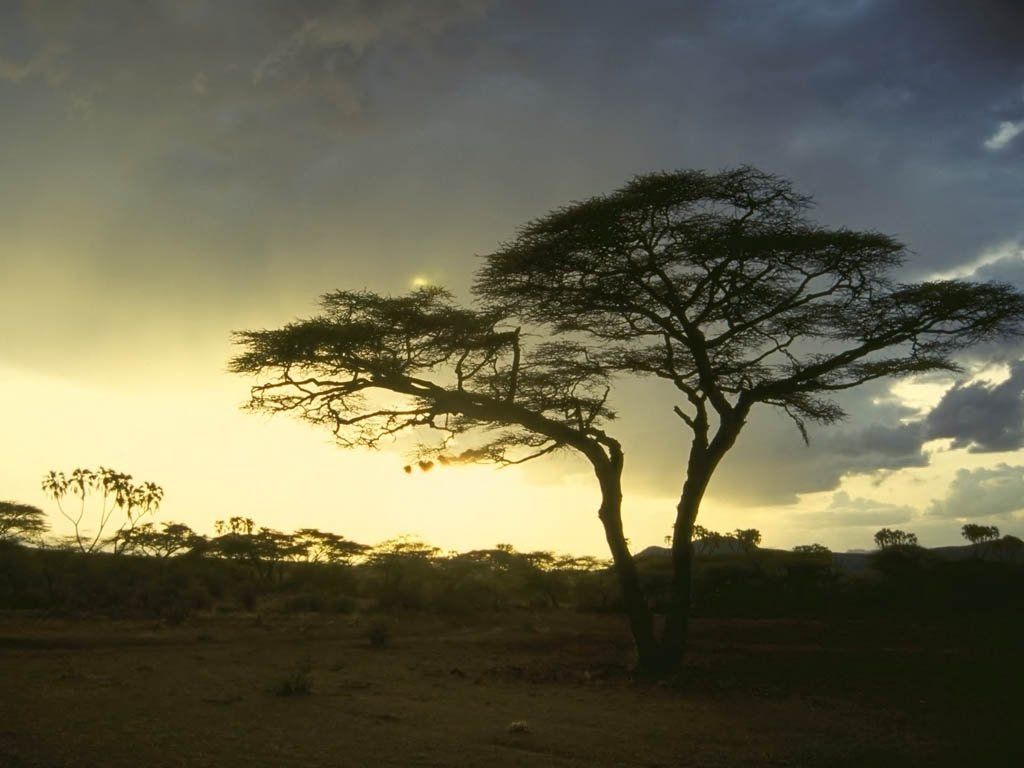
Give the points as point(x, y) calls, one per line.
point(641, 621)
point(677, 620)
point(704, 458)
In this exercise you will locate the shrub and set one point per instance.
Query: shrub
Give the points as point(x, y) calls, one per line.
point(296, 683)
point(378, 634)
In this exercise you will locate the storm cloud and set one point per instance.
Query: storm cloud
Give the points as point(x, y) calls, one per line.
point(176, 169)
point(996, 492)
point(982, 417)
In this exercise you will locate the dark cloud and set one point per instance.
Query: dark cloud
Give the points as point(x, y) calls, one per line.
point(982, 417)
point(987, 492)
point(189, 167)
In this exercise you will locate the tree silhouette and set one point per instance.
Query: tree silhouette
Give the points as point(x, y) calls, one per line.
point(264, 549)
point(978, 533)
point(719, 284)
point(811, 549)
point(372, 367)
point(20, 521)
point(121, 500)
point(887, 538)
point(170, 539)
point(747, 538)
point(316, 546)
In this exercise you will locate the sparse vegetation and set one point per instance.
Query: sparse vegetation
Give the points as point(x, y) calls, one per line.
point(21, 522)
point(118, 504)
point(978, 533)
point(297, 682)
point(811, 549)
point(887, 538)
point(378, 634)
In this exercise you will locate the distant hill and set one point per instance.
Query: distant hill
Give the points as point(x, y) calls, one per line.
point(1009, 549)
point(725, 547)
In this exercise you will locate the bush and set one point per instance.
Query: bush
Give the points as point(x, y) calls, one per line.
point(296, 683)
point(378, 634)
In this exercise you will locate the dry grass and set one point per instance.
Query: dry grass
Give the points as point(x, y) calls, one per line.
point(94, 693)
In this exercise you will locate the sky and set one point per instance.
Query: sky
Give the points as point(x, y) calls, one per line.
point(174, 170)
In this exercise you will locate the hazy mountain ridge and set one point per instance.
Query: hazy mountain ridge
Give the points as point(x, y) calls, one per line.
point(1008, 549)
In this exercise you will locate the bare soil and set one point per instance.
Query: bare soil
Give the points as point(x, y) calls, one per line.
point(516, 689)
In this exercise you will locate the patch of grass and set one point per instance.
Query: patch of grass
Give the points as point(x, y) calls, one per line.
point(297, 682)
point(378, 634)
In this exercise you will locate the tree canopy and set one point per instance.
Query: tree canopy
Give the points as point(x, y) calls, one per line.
point(976, 534)
point(720, 284)
point(370, 367)
point(20, 521)
point(888, 538)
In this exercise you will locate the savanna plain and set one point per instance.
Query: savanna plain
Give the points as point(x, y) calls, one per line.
point(517, 688)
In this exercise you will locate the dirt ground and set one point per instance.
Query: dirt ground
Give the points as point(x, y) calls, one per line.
point(214, 692)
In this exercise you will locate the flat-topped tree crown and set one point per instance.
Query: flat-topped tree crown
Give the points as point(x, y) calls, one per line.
point(372, 366)
point(722, 285)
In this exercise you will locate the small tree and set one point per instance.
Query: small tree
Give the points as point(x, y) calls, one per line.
point(720, 285)
point(316, 546)
point(811, 549)
point(264, 549)
point(978, 533)
point(402, 567)
point(888, 538)
point(170, 539)
point(20, 522)
point(120, 501)
point(748, 538)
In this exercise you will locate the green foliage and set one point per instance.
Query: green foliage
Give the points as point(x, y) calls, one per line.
point(812, 549)
point(21, 522)
point(887, 538)
point(297, 682)
point(978, 533)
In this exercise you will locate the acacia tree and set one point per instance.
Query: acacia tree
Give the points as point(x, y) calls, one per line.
point(316, 546)
point(976, 534)
point(719, 284)
point(20, 521)
point(371, 368)
point(174, 538)
point(889, 538)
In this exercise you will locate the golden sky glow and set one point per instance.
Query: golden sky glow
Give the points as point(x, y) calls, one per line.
point(150, 205)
